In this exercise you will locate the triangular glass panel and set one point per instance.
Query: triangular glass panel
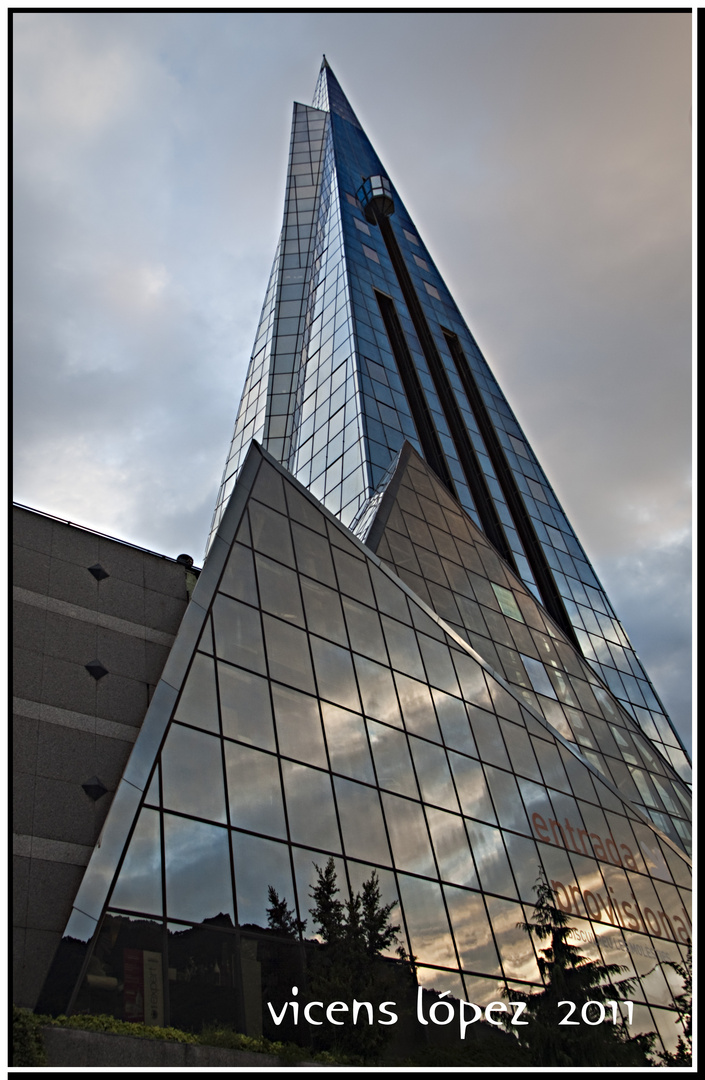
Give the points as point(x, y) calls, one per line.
point(471, 587)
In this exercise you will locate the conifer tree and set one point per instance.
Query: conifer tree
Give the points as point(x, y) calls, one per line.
point(379, 933)
point(349, 965)
point(281, 918)
point(683, 1054)
point(570, 976)
point(328, 912)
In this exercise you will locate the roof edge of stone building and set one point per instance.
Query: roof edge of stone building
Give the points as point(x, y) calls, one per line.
point(96, 532)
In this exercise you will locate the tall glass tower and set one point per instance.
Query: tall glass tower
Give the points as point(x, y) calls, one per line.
point(360, 346)
point(397, 656)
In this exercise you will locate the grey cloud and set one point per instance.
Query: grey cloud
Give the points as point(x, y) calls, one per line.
point(651, 590)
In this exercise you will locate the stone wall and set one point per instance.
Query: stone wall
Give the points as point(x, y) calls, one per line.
point(78, 598)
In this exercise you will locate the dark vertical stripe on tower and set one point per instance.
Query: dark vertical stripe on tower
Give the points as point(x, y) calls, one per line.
point(550, 595)
point(474, 475)
point(420, 412)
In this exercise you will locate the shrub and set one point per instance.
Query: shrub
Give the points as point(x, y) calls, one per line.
point(27, 1042)
point(28, 1037)
point(109, 1025)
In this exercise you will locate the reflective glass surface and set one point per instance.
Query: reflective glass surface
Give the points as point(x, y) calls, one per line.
point(490, 607)
point(198, 704)
point(324, 395)
point(390, 752)
point(196, 869)
point(472, 932)
point(310, 807)
point(245, 706)
point(348, 747)
point(254, 790)
point(296, 749)
point(361, 822)
point(299, 731)
point(331, 680)
point(139, 887)
point(187, 756)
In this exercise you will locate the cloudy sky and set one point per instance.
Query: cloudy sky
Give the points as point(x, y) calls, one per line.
point(545, 159)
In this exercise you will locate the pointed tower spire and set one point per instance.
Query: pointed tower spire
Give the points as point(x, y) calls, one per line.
point(329, 96)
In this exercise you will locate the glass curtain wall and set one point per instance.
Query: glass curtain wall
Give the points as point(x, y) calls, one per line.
point(326, 396)
point(315, 707)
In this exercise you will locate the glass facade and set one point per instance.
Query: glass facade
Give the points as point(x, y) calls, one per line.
point(396, 696)
point(316, 705)
point(361, 347)
point(445, 558)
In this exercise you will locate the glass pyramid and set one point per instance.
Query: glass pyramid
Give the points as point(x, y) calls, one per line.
point(316, 706)
point(360, 347)
point(440, 553)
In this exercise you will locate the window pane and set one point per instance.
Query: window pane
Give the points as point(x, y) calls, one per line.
point(238, 633)
point(390, 598)
point(324, 614)
point(258, 864)
point(310, 807)
point(516, 951)
point(334, 673)
point(507, 602)
point(254, 790)
point(139, 886)
point(472, 680)
point(364, 629)
point(187, 757)
point(279, 590)
point(520, 750)
point(524, 861)
point(198, 704)
point(288, 655)
point(472, 931)
point(433, 774)
point(438, 664)
point(313, 555)
point(305, 862)
point(392, 759)
point(361, 822)
point(450, 844)
point(348, 748)
point(239, 576)
point(408, 835)
point(377, 688)
point(455, 726)
point(270, 533)
point(353, 577)
point(429, 933)
point(491, 859)
point(245, 706)
point(403, 647)
point(299, 726)
point(505, 796)
point(197, 864)
point(417, 707)
point(472, 787)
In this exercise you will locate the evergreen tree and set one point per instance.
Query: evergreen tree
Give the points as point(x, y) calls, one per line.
point(281, 918)
point(570, 976)
point(349, 964)
point(328, 912)
point(683, 1054)
point(377, 930)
